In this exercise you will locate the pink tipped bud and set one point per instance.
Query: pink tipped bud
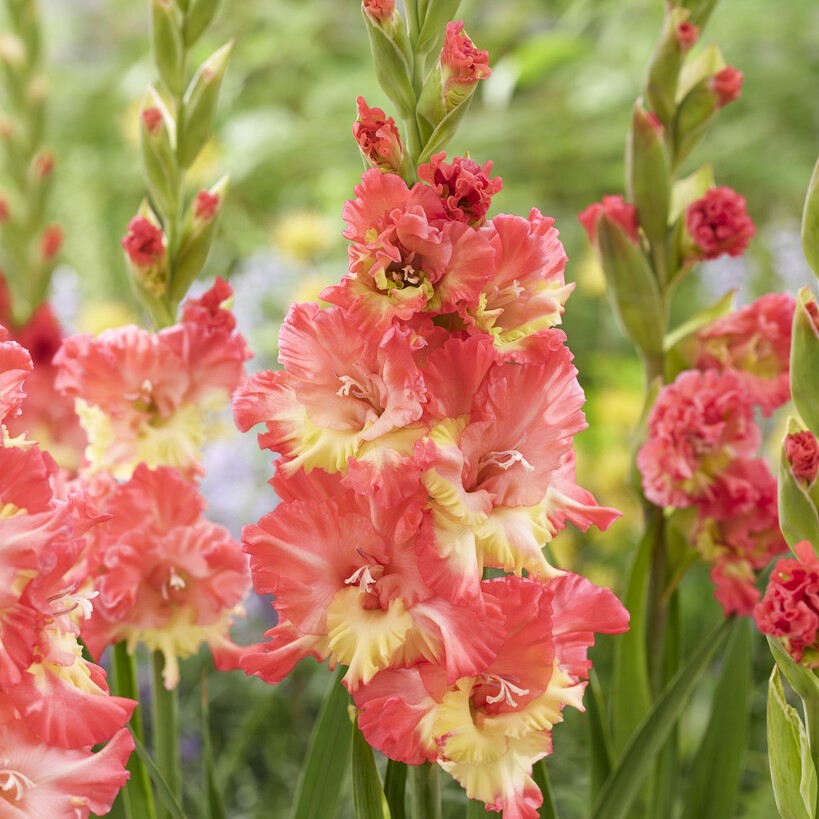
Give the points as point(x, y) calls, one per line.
point(4, 210)
point(719, 223)
point(381, 10)
point(463, 185)
point(144, 243)
point(727, 85)
point(152, 119)
point(615, 208)
point(812, 309)
point(206, 205)
point(378, 138)
point(802, 452)
point(687, 36)
point(44, 165)
point(461, 62)
point(51, 241)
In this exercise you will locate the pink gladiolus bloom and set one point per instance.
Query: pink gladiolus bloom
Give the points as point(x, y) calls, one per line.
point(789, 609)
point(144, 243)
point(378, 138)
point(698, 425)
point(755, 343)
point(341, 391)
point(142, 396)
point(39, 780)
point(406, 257)
point(614, 208)
point(739, 533)
point(463, 185)
point(347, 587)
point(15, 365)
point(802, 452)
point(719, 223)
point(488, 729)
point(166, 576)
point(527, 290)
point(727, 85)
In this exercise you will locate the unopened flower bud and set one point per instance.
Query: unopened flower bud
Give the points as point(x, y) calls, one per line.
point(617, 210)
point(152, 119)
point(378, 138)
point(206, 205)
point(664, 70)
point(44, 164)
point(462, 64)
point(802, 452)
point(145, 249)
point(4, 210)
point(687, 36)
point(719, 223)
point(51, 241)
point(379, 10)
point(726, 85)
point(198, 17)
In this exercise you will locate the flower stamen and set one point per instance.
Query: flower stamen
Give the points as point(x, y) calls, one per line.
point(14, 780)
point(507, 691)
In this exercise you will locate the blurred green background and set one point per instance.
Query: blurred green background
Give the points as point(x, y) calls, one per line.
point(552, 118)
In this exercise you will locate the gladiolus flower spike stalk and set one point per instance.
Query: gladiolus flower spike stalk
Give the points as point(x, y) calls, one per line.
point(425, 423)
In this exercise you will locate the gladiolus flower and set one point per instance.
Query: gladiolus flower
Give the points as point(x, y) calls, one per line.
point(802, 452)
point(463, 185)
point(462, 64)
point(615, 208)
point(727, 85)
point(144, 243)
point(687, 36)
point(378, 138)
point(698, 425)
point(719, 223)
point(381, 10)
point(755, 343)
point(789, 608)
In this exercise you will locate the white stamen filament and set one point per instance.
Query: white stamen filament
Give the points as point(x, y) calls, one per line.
point(350, 386)
point(507, 691)
point(14, 780)
point(363, 577)
point(505, 459)
point(175, 581)
point(410, 274)
point(74, 600)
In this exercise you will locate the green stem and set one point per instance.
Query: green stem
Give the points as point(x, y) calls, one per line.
point(395, 783)
point(165, 723)
point(425, 791)
point(136, 799)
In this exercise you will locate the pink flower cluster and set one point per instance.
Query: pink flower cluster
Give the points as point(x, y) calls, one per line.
point(790, 607)
point(54, 705)
point(425, 424)
point(703, 439)
point(165, 576)
point(719, 223)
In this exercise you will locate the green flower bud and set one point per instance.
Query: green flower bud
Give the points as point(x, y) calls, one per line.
point(157, 152)
point(664, 70)
point(805, 358)
point(392, 59)
point(810, 222)
point(200, 103)
point(439, 13)
point(648, 174)
point(166, 41)
point(199, 17)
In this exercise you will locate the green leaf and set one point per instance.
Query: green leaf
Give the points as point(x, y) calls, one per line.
point(801, 679)
point(686, 191)
point(395, 786)
point(199, 17)
point(599, 737)
point(714, 782)
point(213, 803)
point(433, 26)
point(327, 756)
point(810, 222)
point(631, 698)
point(614, 801)
point(166, 40)
point(165, 794)
point(540, 773)
point(805, 360)
point(792, 770)
point(369, 801)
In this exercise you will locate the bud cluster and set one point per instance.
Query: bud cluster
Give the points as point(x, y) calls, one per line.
point(169, 239)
